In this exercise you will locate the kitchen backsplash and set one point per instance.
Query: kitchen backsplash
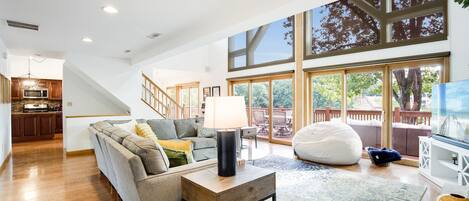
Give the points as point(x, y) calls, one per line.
point(17, 106)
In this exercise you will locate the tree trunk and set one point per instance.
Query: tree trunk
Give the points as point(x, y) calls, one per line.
point(409, 86)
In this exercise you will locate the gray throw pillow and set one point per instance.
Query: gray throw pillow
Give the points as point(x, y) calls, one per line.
point(109, 130)
point(101, 125)
point(185, 128)
point(152, 154)
point(119, 135)
point(163, 128)
point(205, 132)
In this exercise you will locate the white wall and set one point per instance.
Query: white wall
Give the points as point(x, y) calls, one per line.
point(206, 64)
point(459, 41)
point(5, 110)
point(115, 76)
point(91, 82)
point(83, 97)
point(47, 69)
point(77, 135)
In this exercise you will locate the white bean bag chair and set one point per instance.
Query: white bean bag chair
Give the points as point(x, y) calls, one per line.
point(334, 143)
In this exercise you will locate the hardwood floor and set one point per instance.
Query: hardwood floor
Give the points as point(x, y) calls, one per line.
point(41, 171)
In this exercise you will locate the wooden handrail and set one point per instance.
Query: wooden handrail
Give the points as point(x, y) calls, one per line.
point(159, 89)
point(157, 99)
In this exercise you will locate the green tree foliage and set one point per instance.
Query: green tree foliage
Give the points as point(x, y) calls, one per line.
point(260, 96)
point(464, 3)
point(326, 91)
point(282, 93)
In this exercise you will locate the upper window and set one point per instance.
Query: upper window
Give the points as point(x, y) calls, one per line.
point(355, 25)
point(263, 45)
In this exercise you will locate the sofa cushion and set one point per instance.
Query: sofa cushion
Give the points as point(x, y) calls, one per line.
point(205, 132)
point(152, 154)
point(202, 143)
point(163, 128)
point(204, 154)
point(185, 128)
point(119, 135)
point(109, 130)
point(101, 125)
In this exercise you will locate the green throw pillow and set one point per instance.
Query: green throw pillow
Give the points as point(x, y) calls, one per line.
point(176, 158)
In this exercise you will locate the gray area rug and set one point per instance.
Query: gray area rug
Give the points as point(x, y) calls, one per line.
point(298, 180)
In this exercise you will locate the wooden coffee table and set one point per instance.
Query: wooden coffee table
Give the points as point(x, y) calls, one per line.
point(249, 184)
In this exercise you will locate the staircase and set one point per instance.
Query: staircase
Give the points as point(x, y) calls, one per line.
point(159, 101)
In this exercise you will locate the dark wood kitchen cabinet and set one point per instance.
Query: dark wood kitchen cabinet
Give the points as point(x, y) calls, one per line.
point(35, 126)
point(16, 92)
point(55, 90)
point(58, 123)
point(53, 86)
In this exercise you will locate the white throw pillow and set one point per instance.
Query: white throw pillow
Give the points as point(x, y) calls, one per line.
point(129, 126)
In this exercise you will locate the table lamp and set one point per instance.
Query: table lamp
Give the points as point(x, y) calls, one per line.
point(225, 113)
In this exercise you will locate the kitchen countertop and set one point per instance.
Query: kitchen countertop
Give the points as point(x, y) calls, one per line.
point(26, 113)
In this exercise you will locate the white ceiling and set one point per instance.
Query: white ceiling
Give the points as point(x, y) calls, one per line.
point(184, 24)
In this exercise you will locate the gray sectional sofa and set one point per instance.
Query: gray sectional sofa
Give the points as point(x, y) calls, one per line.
point(138, 169)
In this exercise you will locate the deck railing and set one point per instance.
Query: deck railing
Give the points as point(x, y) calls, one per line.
point(407, 117)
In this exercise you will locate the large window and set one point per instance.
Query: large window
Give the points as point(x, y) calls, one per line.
point(267, 44)
point(348, 26)
point(362, 96)
point(187, 96)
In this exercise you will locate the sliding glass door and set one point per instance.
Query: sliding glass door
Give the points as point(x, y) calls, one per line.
point(269, 105)
point(260, 116)
point(411, 104)
point(388, 105)
point(365, 105)
point(282, 109)
point(327, 90)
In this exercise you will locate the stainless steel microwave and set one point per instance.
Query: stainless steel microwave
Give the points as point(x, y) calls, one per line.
point(35, 93)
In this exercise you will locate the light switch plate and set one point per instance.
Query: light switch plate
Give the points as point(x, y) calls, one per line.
point(69, 104)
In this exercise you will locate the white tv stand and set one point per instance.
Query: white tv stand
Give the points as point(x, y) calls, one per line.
point(436, 164)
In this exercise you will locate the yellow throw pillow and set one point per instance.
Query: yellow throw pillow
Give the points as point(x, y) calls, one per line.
point(179, 145)
point(144, 130)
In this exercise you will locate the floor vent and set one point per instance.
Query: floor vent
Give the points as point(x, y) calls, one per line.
point(22, 25)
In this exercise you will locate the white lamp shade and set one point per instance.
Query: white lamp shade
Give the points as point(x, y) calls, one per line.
point(225, 112)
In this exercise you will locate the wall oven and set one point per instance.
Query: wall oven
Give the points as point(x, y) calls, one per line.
point(35, 93)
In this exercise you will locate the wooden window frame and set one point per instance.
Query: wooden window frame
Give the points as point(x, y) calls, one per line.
point(247, 50)
point(386, 68)
point(385, 18)
point(265, 78)
point(189, 86)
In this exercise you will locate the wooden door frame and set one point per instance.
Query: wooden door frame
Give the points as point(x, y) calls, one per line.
point(268, 79)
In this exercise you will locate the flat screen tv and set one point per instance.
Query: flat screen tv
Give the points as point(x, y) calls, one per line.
point(450, 113)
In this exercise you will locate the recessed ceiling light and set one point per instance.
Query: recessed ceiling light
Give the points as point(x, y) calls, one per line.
point(153, 35)
point(110, 10)
point(87, 40)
